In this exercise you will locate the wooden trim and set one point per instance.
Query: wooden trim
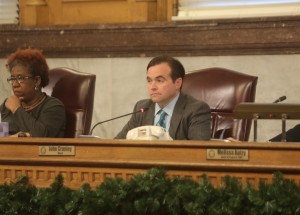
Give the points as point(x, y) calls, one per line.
point(86, 1)
point(175, 6)
point(36, 2)
point(94, 160)
point(191, 38)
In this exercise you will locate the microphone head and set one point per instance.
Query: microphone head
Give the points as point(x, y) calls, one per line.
point(142, 110)
point(282, 98)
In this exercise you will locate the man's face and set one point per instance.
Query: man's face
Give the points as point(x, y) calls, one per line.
point(161, 87)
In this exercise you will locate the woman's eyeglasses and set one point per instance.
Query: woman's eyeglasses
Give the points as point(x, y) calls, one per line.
point(19, 79)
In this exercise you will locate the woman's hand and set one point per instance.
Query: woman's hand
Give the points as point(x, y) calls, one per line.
point(13, 103)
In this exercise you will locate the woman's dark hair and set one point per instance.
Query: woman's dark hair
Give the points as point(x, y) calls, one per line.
point(177, 69)
point(31, 59)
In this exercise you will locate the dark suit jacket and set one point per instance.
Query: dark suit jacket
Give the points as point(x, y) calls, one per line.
point(191, 119)
point(292, 135)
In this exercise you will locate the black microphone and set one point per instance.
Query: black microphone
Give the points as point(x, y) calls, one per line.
point(280, 99)
point(142, 110)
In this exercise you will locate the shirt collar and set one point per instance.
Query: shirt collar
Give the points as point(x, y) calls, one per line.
point(169, 108)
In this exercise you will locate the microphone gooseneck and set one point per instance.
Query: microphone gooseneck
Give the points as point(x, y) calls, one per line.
point(280, 99)
point(142, 110)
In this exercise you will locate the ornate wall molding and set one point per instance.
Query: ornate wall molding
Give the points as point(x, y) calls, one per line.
point(189, 38)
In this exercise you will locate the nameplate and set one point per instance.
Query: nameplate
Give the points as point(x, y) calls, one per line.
point(56, 150)
point(227, 154)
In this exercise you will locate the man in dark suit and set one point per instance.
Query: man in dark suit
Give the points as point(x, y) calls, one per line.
point(185, 118)
point(292, 135)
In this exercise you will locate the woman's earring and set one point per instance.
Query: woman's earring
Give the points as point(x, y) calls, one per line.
point(36, 88)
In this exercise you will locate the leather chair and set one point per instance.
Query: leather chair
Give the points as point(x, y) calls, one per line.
point(222, 89)
point(76, 90)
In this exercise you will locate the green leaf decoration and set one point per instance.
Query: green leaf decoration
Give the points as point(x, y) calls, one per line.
point(153, 193)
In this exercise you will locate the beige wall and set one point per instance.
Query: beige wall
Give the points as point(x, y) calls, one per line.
point(121, 82)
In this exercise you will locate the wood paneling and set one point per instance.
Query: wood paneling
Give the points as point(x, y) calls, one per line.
point(94, 160)
point(83, 12)
point(86, 1)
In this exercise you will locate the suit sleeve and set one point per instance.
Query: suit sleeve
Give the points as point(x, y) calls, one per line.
point(292, 135)
point(199, 123)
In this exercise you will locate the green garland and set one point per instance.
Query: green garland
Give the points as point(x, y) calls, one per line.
point(152, 193)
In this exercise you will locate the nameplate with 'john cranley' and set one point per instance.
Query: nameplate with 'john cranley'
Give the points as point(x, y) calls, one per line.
point(227, 154)
point(56, 150)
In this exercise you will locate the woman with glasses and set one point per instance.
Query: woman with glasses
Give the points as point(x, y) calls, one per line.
point(29, 111)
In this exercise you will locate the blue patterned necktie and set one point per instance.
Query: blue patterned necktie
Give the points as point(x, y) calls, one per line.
point(162, 120)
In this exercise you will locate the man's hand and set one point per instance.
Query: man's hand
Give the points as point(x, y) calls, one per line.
point(230, 139)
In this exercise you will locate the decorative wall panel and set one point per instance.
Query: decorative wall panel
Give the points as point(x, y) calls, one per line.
point(205, 38)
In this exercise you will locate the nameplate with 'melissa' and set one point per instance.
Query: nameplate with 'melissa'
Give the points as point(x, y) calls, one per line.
point(227, 154)
point(56, 150)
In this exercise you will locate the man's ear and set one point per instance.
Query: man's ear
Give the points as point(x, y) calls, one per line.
point(178, 83)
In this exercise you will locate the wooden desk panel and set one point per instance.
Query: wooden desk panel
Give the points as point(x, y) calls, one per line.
point(95, 160)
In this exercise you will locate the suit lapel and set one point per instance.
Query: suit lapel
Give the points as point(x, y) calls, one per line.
point(149, 117)
point(177, 114)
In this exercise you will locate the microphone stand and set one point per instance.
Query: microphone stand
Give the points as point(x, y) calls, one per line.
point(112, 119)
point(90, 133)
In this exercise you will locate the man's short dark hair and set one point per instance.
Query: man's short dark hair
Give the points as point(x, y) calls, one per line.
point(177, 69)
